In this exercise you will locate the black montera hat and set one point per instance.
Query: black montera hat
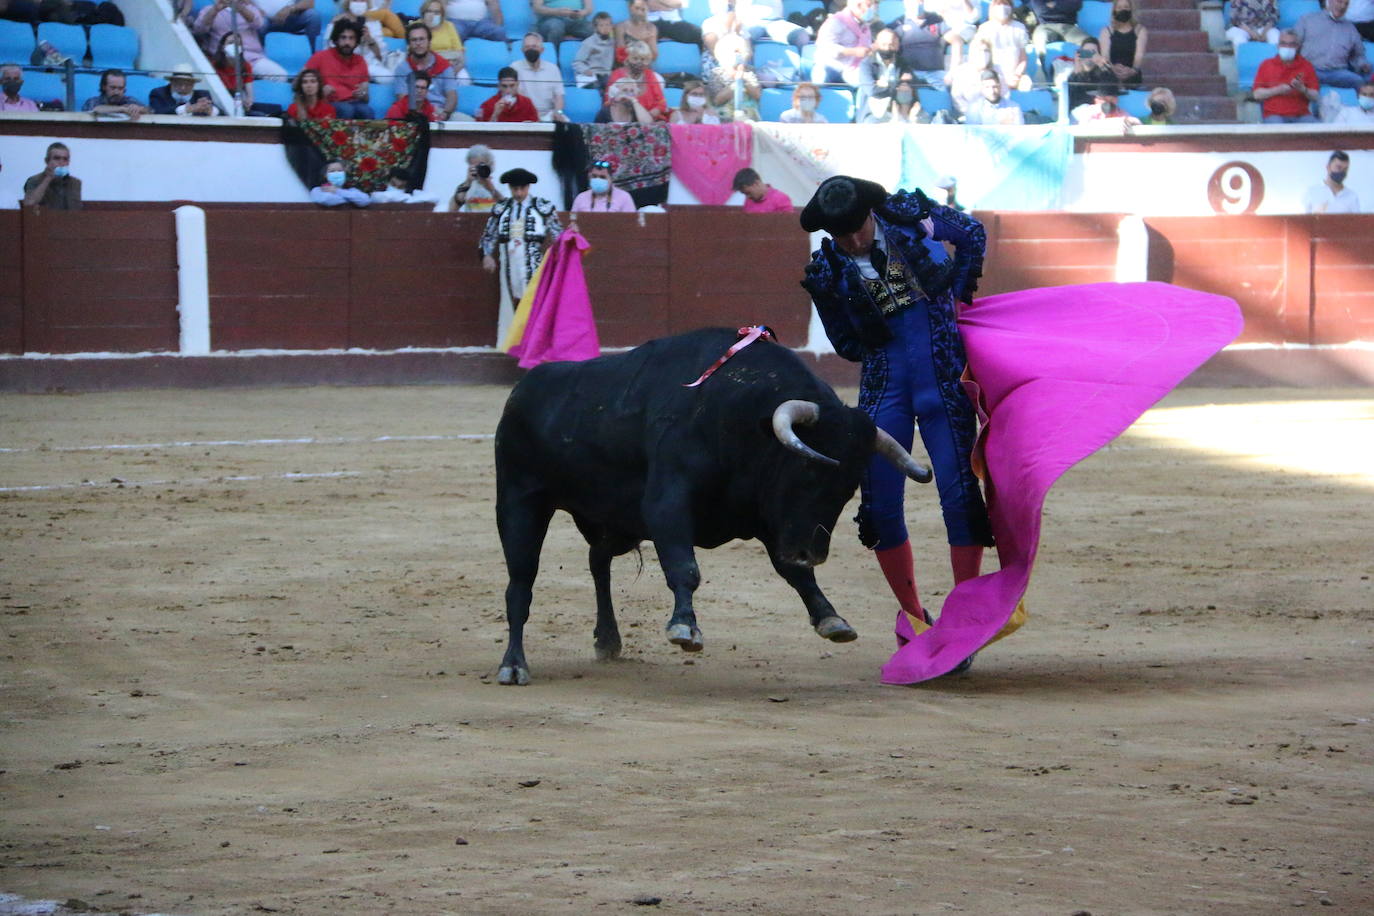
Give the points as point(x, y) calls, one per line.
point(518, 178)
point(841, 204)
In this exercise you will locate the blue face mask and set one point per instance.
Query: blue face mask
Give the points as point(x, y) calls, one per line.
point(1366, 102)
point(337, 179)
point(61, 171)
point(600, 185)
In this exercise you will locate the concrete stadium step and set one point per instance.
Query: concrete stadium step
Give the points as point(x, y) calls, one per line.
point(1205, 109)
point(1171, 20)
point(1175, 42)
point(1166, 4)
point(1169, 65)
point(1188, 85)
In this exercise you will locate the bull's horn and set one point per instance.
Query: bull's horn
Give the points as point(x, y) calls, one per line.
point(802, 413)
point(901, 459)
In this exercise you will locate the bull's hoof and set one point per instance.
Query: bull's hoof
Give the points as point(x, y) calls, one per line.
point(606, 652)
point(836, 629)
point(513, 675)
point(686, 638)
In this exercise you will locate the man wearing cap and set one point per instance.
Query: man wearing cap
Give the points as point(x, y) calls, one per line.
point(886, 294)
point(601, 196)
point(518, 232)
point(180, 96)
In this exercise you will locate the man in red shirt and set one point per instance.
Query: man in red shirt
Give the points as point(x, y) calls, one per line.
point(400, 108)
point(1286, 84)
point(508, 104)
point(760, 197)
point(344, 72)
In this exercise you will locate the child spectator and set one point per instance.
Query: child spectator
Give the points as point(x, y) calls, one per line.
point(805, 99)
point(595, 57)
point(335, 191)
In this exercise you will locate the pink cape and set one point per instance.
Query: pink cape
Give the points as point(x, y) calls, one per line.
point(560, 325)
point(707, 156)
point(1059, 373)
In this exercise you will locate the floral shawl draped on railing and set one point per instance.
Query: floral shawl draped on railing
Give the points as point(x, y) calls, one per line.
point(369, 150)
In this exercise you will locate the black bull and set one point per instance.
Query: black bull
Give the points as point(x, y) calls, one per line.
point(762, 449)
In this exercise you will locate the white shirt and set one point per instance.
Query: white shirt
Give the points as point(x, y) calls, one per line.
point(984, 112)
point(472, 10)
point(1354, 114)
point(543, 86)
point(1320, 199)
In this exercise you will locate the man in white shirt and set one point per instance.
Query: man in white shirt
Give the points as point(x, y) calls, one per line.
point(1332, 196)
point(1361, 113)
point(540, 81)
point(992, 108)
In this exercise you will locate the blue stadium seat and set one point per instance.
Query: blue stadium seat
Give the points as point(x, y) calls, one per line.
point(619, 9)
point(380, 98)
point(888, 10)
point(801, 6)
point(45, 86)
point(567, 50)
point(393, 44)
point(519, 18)
point(581, 105)
point(1226, 14)
point(272, 92)
point(1040, 101)
point(1033, 63)
point(781, 58)
point(933, 99)
point(485, 58)
point(87, 85)
point(673, 96)
point(696, 11)
point(1290, 11)
point(138, 86)
point(16, 41)
point(1348, 96)
point(406, 9)
point(1054, 50)
point(773, 102)
point(1094, 16)
point(1135, 103)
point(678, 57)
point(69, 39)
point(837, 105)
point(113, 46)
point(291, 51)
point(1248, 58)
point(1369, 51)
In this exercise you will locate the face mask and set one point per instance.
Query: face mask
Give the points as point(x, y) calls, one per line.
point(600, 185)
point(433, 19)
point(905, 96)
point(531, 55)
point(11, 87)
point(1001, 13)
point(869, 14)
point(1158, 109)
point(1108, 108)
point(696, 101)
point(1366, 102)
point(337, 179)
point(62, 171)
point(1338, 177)
point(1122, 15)
point(357, 8)
point(1287, 54)
point(636, 70)
point(806, 104)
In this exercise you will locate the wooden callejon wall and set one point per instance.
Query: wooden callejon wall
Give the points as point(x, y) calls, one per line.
point(1028, 250)
point(12, 284)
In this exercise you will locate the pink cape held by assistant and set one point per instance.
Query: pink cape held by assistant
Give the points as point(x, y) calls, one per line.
point(554, 320)
point(1057, 374)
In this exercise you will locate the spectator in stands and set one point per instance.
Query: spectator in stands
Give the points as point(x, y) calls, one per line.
point(507, 104)
point(404, 107)
point(1334, 46)
point(843, 43)
point(695, 107)
point(648, 84)
point(377, 17)
point(444, 39)
point(1105, 107)
point(757, 20)
point(1162, 107)
point(623, 105)
point(992, 107)
point(228, 61)
point(1360, 14)
point(1254, 20)
point(112, 100)
point(961, 19)
point(880, 70)
point(344, 71)
point(308, 101)
point(1057, 20)
point(1124, 39)
point(731, 84)
point(335, 191)
point(965, 82)
point(398, 190)
point(11, 81)
point(1331, 195)
point(601, 196)
point(476, 18)
point(478, 193)
point(1090, 70)
point(636, 27)
point(1008, 39)
point(667, 16)
point(244, 19)
point(596, 55)
point(806, 98)
point(299, 17)
point(1286, 84)
point(901, 106)
point(54, 188)
point(760, 197)
point(921, 42)
point(559, 19)
point(442, 84)
point(180, 96)
point(518, 232)
point(371, 47)
point(1361, 113)
point(540, 81)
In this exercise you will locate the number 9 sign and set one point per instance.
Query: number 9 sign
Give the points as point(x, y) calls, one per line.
point(1235, 188)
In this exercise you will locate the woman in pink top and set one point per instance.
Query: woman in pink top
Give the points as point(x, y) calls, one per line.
point(602, 196)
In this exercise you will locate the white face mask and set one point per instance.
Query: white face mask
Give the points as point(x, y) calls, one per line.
point(806, 104)
point(433, 19)
point(696, 101)
point(231, 51)
point(358, 7)
point(1000, 13)
point(1287, 54)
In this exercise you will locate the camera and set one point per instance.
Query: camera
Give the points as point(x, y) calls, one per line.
point(483, 170)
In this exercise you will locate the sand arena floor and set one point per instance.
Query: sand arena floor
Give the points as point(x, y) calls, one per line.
point(249, 639)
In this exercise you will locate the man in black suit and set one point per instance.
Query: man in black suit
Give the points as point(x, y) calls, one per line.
point(180, 96)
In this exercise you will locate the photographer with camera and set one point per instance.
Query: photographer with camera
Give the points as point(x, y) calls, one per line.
point(479, 193)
